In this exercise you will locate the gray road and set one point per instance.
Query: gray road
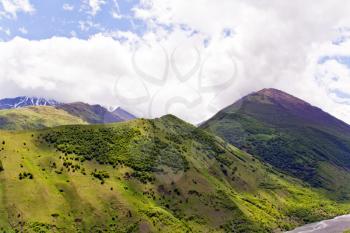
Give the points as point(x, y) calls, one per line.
point(336, 225)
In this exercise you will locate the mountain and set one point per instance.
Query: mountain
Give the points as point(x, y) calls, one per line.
point(24, 101)
point(161, 175)
point(36, 117)
point(95, 114)
point(122, 114)
point(15, 114)
point(290, 134)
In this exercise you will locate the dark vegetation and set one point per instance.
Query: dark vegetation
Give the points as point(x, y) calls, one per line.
point(145, 153)
point(25, 175)
point(1, 167)
point(101, 175)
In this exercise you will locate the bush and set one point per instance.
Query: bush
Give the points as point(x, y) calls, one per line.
point(101, 175)
point(25, 175)
point(144, 177)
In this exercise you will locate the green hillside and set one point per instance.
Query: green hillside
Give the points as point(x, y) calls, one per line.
point(160, 175)
point(36, 118)
point(291, 135)
point(39, 117)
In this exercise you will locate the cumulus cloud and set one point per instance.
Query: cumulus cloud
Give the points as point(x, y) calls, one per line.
point(79, 70)
point(12, 7)
point(193, 63)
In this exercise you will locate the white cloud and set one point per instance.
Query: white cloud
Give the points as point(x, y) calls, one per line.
point(12, 7)
point(67, 7)
point(272, 44)
point(79, 70)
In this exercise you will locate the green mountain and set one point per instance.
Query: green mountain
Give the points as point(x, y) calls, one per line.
point(161, 175)
point(291, 135)
point(36, 118)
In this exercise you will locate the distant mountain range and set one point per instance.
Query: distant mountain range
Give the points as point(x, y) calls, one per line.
point(25, 113)
point(24, 101)
point(95, 114)
point(291, 135)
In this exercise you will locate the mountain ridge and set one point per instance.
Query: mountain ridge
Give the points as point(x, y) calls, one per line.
point(296, 104)
point(24, 101)
point(19, 108)
point(27, 101)
point(290, 134)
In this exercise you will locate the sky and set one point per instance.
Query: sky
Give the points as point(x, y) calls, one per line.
point(190, 58)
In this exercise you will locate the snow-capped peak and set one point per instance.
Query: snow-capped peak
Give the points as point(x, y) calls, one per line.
point(23, 101)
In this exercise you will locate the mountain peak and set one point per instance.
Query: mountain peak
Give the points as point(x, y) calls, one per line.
point(280, 97)
point(274, 106)
point(123, 114)
point(271, 92)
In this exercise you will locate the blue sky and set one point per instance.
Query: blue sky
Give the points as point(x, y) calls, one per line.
point(69, 18)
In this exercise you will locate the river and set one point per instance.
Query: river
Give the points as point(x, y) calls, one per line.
point(336, 225)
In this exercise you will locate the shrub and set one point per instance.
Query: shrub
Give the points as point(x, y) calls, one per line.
point(101, 175)
point(144, 177)
point(25, 175)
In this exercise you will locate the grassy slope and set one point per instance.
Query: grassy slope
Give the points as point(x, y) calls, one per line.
point(315, 152)
point(163, 176)
point(35, 117)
